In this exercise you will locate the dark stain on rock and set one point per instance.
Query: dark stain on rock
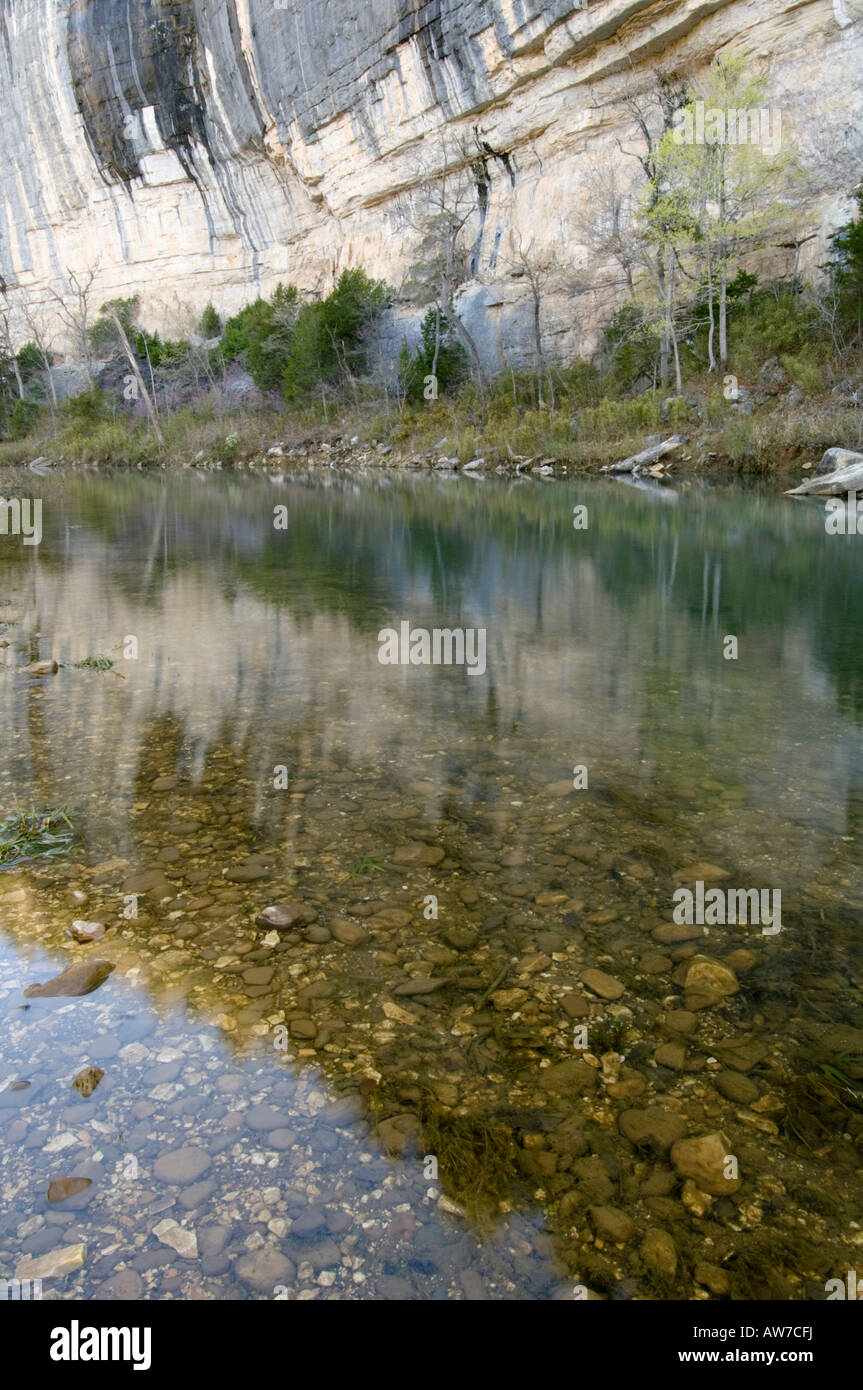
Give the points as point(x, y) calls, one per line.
point(126, 58)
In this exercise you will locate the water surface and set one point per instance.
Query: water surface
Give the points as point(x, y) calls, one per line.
point(257, 731)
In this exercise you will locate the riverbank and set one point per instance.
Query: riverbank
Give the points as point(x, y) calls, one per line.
point(779, 437)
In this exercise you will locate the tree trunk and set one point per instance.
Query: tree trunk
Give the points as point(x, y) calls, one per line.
point(151, 409)
point(470, 348)
point(437, 316)
point(711, 359)
point(537, 333)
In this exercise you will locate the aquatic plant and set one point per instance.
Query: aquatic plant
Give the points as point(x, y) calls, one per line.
point(94, 663)
point(32, 834)
point(365, 866)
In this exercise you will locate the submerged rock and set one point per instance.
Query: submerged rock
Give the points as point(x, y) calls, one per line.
point(63, 1188)
point(263, 1270)
point(660, 1253)
point(421, 854)
point(178, 1237)
point(87, 1080)
point(52, 1265)
point(81, 978)
point(652, 1126)
point(182, 1165)
point(40, 668)
point(348, 933)
point(286, 915)
point(85, 932)
point(604, 985)
point(705, 1159)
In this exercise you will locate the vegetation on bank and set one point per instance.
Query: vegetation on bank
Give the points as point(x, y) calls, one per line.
point(755, 367)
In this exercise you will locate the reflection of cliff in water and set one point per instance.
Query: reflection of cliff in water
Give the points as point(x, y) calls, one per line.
point(258, 650)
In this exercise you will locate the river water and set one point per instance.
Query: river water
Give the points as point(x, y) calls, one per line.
point(412, 1089)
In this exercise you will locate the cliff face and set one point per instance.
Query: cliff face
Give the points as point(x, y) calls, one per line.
point(191, 150)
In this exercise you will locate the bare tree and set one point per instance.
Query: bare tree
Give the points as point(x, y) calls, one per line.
point(7, 349)
point(614, 230)
point(443, 209)
point(543, 275)
point(75, 311)
point(605, 222)
point(35, 328)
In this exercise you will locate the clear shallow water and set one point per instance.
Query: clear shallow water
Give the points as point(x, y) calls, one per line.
point(258, 650)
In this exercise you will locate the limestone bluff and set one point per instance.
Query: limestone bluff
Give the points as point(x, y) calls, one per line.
point(196, 150)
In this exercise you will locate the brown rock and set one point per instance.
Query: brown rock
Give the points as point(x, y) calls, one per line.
point(575, 1005)
point(742, 1054)
point(653, 963)
point(399, 1134)
point(671, 1054)
point(680, 1021)
point(87, 1080)
point(740, 961)
point(421, 986)
point(736, 1087)
point(572, 1076)
point(348, 933)
point(660, 1253)
point(652, 1126)
point(303, 1028)
point(708, 873)
point(249, 872)
point(419, 854)
point(604, 985)
point(258, 975)
point(81, 978)
point(610, 1223)
point(63, 1188)
point(713, 1278)
point(704, 1159)
point(707, 976)
point(390, 918)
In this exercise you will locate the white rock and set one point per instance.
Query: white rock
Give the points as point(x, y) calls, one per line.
point(178, 1237)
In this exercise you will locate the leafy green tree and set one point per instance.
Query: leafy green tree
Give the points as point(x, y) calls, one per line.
point(331, 337)
point(102, 334)
point(439, 354)
point(209, 324)
point(260, 336)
